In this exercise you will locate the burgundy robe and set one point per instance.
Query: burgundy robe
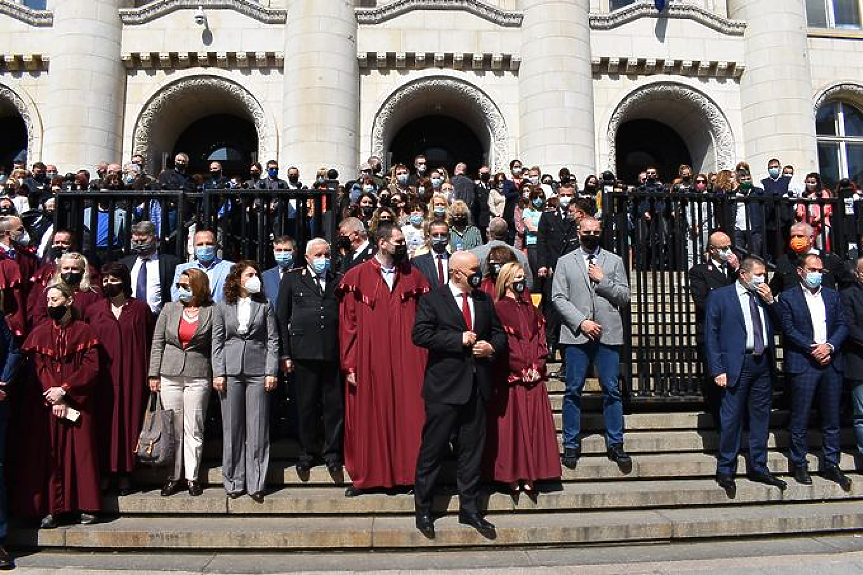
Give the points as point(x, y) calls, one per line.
point(43, 276)
point(384, 412)
point(66, 357)
point(122, 388)
point(16, 284)
point(521, 442)
point(82, 300)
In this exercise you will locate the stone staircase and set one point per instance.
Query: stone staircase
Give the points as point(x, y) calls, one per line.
point(668, 494)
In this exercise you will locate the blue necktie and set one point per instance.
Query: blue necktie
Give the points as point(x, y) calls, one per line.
point(141, 284)
point(757, 328)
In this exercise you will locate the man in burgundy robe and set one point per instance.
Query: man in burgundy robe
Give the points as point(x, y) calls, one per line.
point(384, 411)
point(18, 264)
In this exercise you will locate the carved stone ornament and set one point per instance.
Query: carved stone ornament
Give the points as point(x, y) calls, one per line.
point(159, 8)
point(843, 91)
point(387, 120)
point(672, 94)
point(31, 121)
point(390, 10)
point(41, 18)
point(674, 10)
point(203, 88)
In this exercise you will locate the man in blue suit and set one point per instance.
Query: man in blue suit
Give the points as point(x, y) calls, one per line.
point(738, 340)
point(283, 251)
point(814, 329)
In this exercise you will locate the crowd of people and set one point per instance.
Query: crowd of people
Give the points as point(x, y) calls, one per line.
point(413, 337)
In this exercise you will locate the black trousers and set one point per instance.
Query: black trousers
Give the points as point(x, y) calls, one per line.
point(442, 420)
point(319, 396)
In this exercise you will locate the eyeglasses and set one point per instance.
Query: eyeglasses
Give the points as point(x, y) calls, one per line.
point(183, 286)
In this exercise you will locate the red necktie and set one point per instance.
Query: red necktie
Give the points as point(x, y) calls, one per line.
point(440, 276)
point(465, 311)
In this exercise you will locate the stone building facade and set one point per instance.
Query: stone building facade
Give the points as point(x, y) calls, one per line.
point(588, 84)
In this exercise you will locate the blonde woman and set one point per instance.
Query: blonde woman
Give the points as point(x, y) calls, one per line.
point(438, 207)
point(72, 273)
point(462, 234)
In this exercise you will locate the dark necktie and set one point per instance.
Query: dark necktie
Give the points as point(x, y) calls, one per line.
point(757, 328)
point(141, 285)
point(440, 275)
point(320, 280)
point(465, 311)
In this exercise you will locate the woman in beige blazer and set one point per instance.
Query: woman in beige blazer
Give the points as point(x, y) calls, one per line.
point(180, 368)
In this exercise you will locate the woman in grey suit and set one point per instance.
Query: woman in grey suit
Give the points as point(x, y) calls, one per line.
point(245, 365)
point(180, 369)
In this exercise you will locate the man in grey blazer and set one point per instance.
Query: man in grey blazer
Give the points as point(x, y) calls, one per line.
point(589, 290)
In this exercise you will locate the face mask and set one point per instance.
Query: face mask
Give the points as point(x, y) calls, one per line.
point(253, 285)
point(284, 259)
point(436, 182)
point(700, 186)
point(59, 251)
point(293, 179)
point(321, 265)
point(344, 243)
point(24, 239)
point(516, 172)
point(215, 175)
point(589, 243)
point(368, 210)
point(519, 286)
point(129, 179)
point(421, 168)
point(439, 244)
point(369, 189)
point(273, 173)
point(142, 247)
point(686, 179)
point(475, 280)
point(563, 201)
point(402, 179)
point(71, 278)
point(538, 202)
point(813, 279)
point(799, 244)
point(50, 175)
point(484, 177)
point(112, 290)
point(534, 180)
point(756, 281)
point(400, 253)
point(724, 254)
point(184, 295)
point(255, 175)
point(787, 175)
point(746, 186)
point(205, 254)
point(459, 220)
point(440, 211)
point(417, 220)
point(811, 186)
point(180, 167)
point(495, 268)
point(774, 172)
point(57, 312)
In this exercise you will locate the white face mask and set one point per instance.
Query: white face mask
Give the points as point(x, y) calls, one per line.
point(756, 281)
point(724, 254)
point(253, 285)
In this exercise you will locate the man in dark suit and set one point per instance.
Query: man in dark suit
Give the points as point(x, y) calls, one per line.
point(353, 244)
point(814, 330)
point(836, 274)
point(308, 318)
point(434, 265)
point(283, 252)
point(718, 271)
point(852, 300)
point(152, 272)
point(748, 216)
point(741, 356)
point(480, 212)
point(463, 186)
point(458, 326)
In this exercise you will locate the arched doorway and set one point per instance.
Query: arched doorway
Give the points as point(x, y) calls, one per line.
point(442, 140)
point(13, 144)
point(642, 143)
point(228, 139)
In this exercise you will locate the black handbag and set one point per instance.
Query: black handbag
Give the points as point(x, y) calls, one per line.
point(156, 441)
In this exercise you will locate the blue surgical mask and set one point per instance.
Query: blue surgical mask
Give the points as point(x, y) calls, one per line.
point(440, 212)
point(813, 279)
point(417, 220)
point(284, 259)
point(184, 295)
point(321, 265)
point(538, 202)
point(563, 201)
point(205, 254)
point(436, 182)
point(369, 189)
point(402, 179)
point(774, 172)
point(273, 173)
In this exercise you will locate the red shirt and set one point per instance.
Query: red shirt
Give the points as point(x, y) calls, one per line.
point(187, 330)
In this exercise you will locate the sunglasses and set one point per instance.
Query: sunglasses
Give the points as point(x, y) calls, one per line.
point(182, 286)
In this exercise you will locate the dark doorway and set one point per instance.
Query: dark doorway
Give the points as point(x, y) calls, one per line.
point(14, 141)
point(642, 143)
point(231, 140)
point(443, 140)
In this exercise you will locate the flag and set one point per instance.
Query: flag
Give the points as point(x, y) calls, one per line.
point(660, 5)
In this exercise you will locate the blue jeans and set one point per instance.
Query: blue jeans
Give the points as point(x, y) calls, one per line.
point(4, 424)
point(857, 402)
point(606, 358)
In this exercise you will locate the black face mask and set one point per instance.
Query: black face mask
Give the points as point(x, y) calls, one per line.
point(459, 221)
point(72, 278)
point(112, 290)
point(6, 211)
point(519, 286)
point(256, 175)
point(57, 312)
point(180, 167)
point(368, 210)
point(400, 253)
point(344, 243)
point(485, 177)
point(589, 243)
point(475, 280)
point(495, 268)
point(216, 175)
point(59, 251)
point(293, 179)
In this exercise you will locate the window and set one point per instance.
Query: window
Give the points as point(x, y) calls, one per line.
point(839, 127)
point(35, 4)
point(618, 4)
point(834, 13)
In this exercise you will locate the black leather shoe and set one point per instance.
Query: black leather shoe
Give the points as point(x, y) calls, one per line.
point(801, 475)
point(235, 495)
point(833, 473)
point(425, 525)
point(304, 466)
point(195, 488)
point(476, 521)
point(257, 497)
point(570, 456)
point(172, 487)
point(48, 522)
point(334, 466)
point(5, 559)
point(87, 519)
point(768, 479)
point(618, 455)
point(726, 482)
point(353, 491)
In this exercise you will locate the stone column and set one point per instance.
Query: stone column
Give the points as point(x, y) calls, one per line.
point(83, 115)
point(556, 87)
point(776, 87)
point(321, 93)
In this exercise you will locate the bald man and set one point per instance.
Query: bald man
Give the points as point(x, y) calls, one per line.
point(458, 326)
point(718, 271)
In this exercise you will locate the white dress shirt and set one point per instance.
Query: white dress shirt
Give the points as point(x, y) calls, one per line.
point(389, 275)
point(444, 257)
point(154, 281)
point(818, 313)
point(321, 280)
point(456, 293)
point(743, 296)
point(361, 249)
point(244, 313)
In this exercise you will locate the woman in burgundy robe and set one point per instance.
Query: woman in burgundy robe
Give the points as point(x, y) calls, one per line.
point(124, 327)
point(65, 356)
point(521, 445)
point(498, 257)
point(71, 272)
